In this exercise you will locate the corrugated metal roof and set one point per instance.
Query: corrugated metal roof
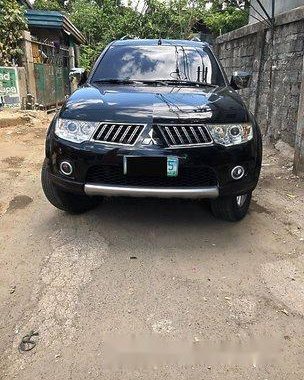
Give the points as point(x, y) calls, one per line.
point(53, 20)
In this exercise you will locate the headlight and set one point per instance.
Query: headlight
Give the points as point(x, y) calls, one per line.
point(75, 130)
point(231, 134)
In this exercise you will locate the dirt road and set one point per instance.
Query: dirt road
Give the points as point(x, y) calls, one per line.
point(156, 271)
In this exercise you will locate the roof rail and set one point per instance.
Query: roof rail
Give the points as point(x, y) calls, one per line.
point(127, 37)
point(195, 39)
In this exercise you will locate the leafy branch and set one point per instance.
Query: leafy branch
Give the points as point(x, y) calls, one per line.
point(102, 21)
point(12, 23)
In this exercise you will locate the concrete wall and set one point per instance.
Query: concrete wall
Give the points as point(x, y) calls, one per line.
point(277, 65)
point(281, 6)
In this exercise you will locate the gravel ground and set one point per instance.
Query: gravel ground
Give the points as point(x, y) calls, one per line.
point(146, 288)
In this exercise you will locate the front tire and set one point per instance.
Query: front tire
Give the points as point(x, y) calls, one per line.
point(232, 208)
point(63, 200)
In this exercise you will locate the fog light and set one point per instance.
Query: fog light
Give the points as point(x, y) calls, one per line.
point(237, 172)
point(66, 168)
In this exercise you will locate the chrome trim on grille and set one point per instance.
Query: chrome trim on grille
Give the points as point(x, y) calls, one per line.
point(103, 133)
point(133, 134)
point(124, 134)
point(174, 136)
point(170, 135)
point(179, 135)
point(133, 191)
point(195, 135)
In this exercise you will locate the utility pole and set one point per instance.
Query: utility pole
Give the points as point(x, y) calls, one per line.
point(271, 24)
point(272, 10)
point(269, 129)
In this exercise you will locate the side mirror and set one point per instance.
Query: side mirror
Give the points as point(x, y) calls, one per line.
point(240, 79)
point(80, 74)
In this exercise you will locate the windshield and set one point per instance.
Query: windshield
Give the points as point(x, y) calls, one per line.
point(149, 63)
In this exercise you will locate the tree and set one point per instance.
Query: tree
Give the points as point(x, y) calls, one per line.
point(89, 18)
point(12, 23)
point(106, 20)
point(224, 16)
point(174, 19)
point(222, 4)
point(102, 21)
point(50, 5)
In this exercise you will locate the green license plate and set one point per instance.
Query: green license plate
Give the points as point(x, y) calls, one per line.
point(172, 166)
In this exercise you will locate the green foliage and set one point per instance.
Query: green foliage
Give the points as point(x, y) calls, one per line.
point(50, 5)
point(101, 24)
point(89, 54)
point(12, 23)
point(173, 19)
point(102, 21)
point(223, 21)
point(89, 18)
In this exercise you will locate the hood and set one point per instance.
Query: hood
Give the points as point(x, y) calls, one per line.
point(152, 104)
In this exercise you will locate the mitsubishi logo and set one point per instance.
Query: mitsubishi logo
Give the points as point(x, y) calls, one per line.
point(150, 140)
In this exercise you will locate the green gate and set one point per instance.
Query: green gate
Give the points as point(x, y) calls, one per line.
point(52, 84)
point(51, 68)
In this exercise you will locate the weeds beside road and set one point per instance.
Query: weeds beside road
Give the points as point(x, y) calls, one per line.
point(194, 277)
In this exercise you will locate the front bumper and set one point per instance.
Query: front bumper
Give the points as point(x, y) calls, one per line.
point(218, 159)
point(132, 191)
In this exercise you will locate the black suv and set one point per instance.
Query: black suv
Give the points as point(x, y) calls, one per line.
point(154, 118)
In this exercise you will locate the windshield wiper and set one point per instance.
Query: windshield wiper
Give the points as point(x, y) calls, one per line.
point(163, 82)
point(116, 81)
point(186, 82)
point(132, 81)
point(167, 82)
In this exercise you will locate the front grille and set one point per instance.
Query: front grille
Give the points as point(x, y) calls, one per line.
point(184, 134)
point(187, 177)
point(125, 134)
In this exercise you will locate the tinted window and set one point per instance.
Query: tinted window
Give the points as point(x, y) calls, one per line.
point(158, 62)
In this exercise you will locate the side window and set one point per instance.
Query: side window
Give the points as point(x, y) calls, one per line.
point(217, 76)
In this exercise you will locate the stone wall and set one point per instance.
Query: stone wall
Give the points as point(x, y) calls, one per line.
point(276, 62)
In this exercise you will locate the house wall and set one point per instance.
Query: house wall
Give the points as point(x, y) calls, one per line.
point(277, 67)
point(281, 6)
point(49, 36)
point(44, 78)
